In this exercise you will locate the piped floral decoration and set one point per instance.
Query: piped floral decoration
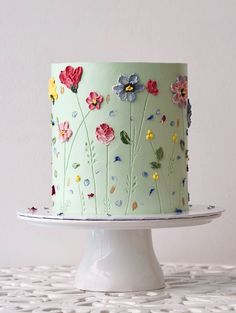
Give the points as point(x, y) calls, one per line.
point(189, 113)
point(151, 87)
point(52, 90)
point(105, 134)
point(155, 176)
point(149, 135)
point(71, 77)
point(64, 131)
point(94, 100)
point(180, 91)
point(127, 87)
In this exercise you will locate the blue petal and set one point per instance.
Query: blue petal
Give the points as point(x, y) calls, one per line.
point(133, 79)
point(118, 88)
point(131, 96)
point(123, 80)
point(123, 95)
point(139, 87)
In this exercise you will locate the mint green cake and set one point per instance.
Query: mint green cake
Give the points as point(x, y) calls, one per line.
point(119, 138)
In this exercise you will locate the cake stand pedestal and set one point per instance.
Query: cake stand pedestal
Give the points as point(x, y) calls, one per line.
point(119, 255)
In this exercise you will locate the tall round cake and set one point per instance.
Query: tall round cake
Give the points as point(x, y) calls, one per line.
point(119, 138)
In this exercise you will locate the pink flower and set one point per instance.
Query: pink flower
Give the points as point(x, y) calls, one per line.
point(94, 100)
point(71, 77)
point(152, 87)
point(64, 131)
point(180, 91)
point(105, 134)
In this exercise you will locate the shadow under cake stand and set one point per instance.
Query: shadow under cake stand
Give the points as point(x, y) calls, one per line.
point(119, 254)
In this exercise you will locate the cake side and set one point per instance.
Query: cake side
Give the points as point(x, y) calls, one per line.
point(119, 138)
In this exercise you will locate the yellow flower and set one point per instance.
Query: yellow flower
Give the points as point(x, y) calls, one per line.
point(155, 176)
point(149, 135)
point(174, 138)
point(77, 178)
point(52, 90)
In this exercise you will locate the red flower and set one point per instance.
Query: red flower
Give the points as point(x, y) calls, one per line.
point(152, 87)
point(105, 134)
point(94, 100)
point(71, 77)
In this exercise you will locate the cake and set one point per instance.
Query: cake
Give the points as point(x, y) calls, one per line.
point(119, 138)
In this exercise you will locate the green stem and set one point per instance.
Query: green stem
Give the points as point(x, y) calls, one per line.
point(107, 168)
point(81, 204)
point(141, 126)
point(131, 162)
point(74, 137)
point(64, 179)
point(171, 158)
point(89, 144)
point(158, 197)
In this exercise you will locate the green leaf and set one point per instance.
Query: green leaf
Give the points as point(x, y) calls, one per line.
point(160, 154)
point(54, 140)
point(124, 137)
point(182, 145)
point(75, 165)
point(155, 164)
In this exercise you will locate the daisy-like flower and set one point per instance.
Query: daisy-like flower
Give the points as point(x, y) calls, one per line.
point(94, 100)
point(127, 87)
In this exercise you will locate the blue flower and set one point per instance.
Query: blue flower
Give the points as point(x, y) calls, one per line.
point(127, 87)
point(189, 113)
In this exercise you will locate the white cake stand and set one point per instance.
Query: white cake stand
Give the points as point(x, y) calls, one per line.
point(119, 255)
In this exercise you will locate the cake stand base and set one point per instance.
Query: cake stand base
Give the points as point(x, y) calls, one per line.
point(119, 260)
point(119, 255)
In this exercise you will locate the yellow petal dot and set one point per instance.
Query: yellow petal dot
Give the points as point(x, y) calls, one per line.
point(149, 135)
point(77, 178)
point(174, 138)
point(155, 176)
point(62, 89)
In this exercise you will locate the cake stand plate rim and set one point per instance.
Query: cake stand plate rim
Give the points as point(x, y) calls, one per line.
point(197, 215)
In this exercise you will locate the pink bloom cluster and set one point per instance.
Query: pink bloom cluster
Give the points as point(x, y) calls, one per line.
point(180, 91)
point(105, 134)
point(64, 131)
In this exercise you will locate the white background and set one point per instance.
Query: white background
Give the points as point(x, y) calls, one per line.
point(34, 34)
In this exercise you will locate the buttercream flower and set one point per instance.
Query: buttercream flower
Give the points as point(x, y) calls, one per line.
point(105, 134)
point(155, 176)
point(127, 87)
point(174, 138)
point(64, 131)
point(152, 87)
point(94, 100)
point(71, 77)
point(52, 90)
point(149, 135)
point(77, 178)
point(189, 113)
point(180, 91)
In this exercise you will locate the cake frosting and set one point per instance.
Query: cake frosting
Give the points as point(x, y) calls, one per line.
point(119, 138)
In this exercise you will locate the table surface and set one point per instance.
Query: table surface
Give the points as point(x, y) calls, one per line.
point(189, 288)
